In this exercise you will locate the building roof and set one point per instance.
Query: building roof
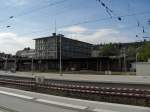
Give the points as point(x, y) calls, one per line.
point(58, 35)
point(42, 38)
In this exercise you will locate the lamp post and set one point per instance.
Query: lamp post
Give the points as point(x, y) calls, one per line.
point(15, 64)
point(32, 65)
point(5, 64)
point(137, 54)
point(60, 55)
point(125, 61)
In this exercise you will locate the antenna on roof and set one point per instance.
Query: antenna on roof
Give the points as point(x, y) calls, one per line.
point(55, 26)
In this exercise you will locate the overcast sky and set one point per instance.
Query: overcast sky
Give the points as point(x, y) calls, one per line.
point(36, 18)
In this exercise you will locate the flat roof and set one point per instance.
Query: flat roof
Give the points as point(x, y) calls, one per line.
point(42, 38)
point(54, 36)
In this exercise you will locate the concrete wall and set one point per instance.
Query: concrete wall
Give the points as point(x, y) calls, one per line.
point(143, 68)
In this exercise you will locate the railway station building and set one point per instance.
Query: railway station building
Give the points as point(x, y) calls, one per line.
point(49, 48)
point(75, 55)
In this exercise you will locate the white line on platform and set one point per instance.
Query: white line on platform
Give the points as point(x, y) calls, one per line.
point(102, 110)
point(61, 104)
point(16, 95)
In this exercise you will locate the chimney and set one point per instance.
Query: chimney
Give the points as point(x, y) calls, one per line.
point(54, 34)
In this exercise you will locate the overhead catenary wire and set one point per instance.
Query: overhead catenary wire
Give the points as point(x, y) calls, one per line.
point(95, 20)
point(91, 21)
point(33, 10)
point(109, 10)
point(88, 21)
point(141, 27)
point(103, 19)
point(42, 7)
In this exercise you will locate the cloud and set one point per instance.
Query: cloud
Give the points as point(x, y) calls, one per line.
point(10, 42)
point(16, 2)
point(98, 36)
point(74, 29)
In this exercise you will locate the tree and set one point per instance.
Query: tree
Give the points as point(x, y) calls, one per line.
point(131, 52)
point(110, 50)
point(144, 52)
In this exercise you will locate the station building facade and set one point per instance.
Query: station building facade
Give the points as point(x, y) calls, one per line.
point(76, 55)
point(49, 48)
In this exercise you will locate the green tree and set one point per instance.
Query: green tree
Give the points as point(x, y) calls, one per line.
point(144, 52)
point(131, 52)
point(110, 50)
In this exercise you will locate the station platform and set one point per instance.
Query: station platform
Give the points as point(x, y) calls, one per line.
point(122, 79)
point(14, 100)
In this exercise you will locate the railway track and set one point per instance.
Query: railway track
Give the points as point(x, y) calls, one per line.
point(78, 88)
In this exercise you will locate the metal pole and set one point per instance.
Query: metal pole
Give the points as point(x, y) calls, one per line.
point(97, 65)
point(136, 60)
point(15, 66)
point(60, 58)
point(124, 56)
point(125, 64)
point(137, 53)
point(100, 65)
point(6, 59)
point(32, 67)
point(120, 64)
point(137, 57)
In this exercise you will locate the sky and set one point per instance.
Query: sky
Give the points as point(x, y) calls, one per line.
point(85, 20)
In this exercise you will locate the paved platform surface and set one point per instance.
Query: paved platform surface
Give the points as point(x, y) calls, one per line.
point(23, 101)
point(83, 77)
point(13, 104)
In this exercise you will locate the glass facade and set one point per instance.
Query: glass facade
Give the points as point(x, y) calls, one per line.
point(49, 48)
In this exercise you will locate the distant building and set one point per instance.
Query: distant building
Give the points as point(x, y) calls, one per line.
point(4, 59)
point(26, 53)
point(4, 55)
point(49, 48)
